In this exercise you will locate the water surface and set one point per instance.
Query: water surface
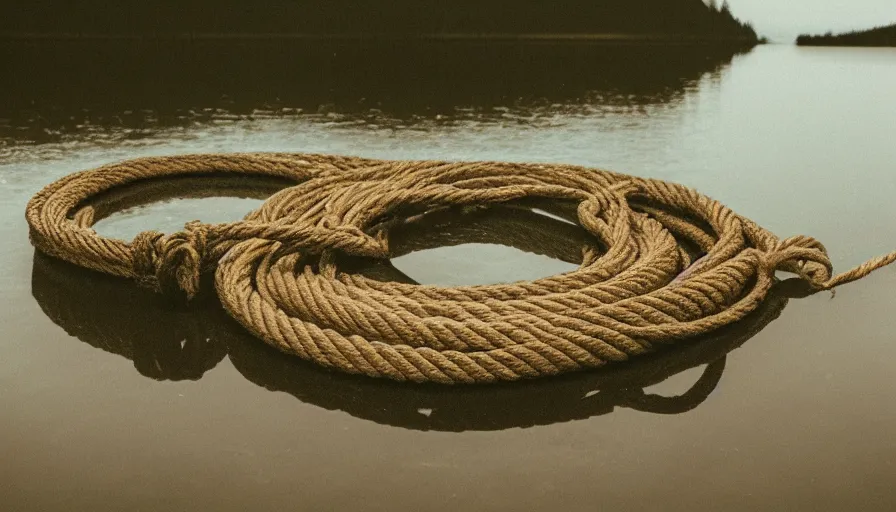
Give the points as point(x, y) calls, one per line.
point(114, 400)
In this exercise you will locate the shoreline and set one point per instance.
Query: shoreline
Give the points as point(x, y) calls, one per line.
point(374, 37)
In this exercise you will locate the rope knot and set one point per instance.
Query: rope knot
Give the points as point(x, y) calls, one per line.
point(171, 263)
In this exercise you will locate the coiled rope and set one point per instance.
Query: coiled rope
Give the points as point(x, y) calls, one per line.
point(184, 343)
point(676, 263)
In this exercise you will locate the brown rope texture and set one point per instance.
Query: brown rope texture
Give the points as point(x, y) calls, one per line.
point(172, 343)
point(675, 263)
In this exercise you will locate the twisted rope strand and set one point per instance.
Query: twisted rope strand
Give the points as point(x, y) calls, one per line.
point(674, 264)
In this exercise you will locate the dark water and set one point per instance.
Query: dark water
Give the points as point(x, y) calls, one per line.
point(114, 400)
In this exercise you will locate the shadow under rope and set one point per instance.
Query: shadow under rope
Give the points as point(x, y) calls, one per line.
point(168, 341)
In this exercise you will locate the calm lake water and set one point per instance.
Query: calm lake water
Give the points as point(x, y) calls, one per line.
point(113, 400)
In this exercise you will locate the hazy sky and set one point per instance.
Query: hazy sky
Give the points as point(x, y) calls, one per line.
point(786, 18)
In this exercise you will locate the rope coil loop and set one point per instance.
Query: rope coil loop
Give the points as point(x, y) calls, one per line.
point(674, 263)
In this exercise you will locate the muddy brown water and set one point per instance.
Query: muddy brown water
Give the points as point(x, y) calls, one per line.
point(115, 400)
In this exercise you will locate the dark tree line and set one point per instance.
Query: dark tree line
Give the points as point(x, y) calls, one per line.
point(880, 36)
point(727, 23)
point(396, 17)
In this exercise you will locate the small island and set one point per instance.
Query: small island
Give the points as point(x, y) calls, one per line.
point(880, 36)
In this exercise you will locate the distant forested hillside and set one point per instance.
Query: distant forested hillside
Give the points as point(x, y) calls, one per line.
point(692, 18)
point(880, 36)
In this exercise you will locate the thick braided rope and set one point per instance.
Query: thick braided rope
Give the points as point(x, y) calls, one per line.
point(186, 342)
point(277, 272)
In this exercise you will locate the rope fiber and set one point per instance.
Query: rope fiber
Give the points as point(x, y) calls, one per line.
point(673, 263)
point(176, 343)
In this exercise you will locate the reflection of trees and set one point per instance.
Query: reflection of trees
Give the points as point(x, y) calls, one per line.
point(183, 342)
point(51, 90)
